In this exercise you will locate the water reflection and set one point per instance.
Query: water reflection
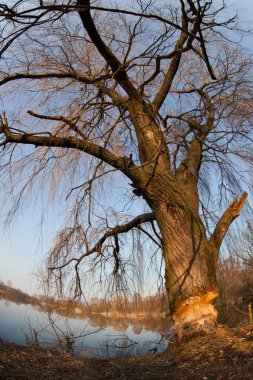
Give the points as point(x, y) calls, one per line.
point(96, 336)
point(6, 303)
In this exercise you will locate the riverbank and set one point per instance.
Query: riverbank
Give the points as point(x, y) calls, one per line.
point(225, 355)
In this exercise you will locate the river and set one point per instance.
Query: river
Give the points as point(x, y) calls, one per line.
point(89, 337)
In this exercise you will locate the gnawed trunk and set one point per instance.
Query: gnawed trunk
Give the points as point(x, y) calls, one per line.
point(197, 314)
point(191, 265)
point(190, 276)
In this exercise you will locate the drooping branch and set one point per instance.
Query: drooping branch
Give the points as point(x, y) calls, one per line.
point(113, 232)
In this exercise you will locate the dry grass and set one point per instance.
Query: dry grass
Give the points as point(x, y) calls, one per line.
point(225, 355)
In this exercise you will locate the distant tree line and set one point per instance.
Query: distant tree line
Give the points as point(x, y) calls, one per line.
point(154, 304)
point(15, 295)
point(115, 305)
point(236, 290)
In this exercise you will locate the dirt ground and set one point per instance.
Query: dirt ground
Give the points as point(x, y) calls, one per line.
point(226, 354)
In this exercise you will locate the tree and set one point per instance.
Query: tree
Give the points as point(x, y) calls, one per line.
point(153, 91)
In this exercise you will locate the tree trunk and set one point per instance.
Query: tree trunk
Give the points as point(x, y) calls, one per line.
point(191, 261)
point(190, 272)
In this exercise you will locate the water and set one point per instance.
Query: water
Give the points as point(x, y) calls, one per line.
point(24, 324)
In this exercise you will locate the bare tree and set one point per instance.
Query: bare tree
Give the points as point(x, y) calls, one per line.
point(148, 91)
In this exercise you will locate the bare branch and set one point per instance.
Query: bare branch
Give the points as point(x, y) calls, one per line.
point(113, 232)
point(124, 164)
point(117, 67)
point(57, 75)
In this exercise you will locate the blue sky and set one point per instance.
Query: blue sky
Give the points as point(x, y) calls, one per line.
point(23, 245)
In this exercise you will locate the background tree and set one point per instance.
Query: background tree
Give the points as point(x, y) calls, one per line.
point(152, 92)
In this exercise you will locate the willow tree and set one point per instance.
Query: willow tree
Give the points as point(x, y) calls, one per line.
point(152, 90)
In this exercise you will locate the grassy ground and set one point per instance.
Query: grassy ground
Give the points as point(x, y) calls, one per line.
point(227, 354)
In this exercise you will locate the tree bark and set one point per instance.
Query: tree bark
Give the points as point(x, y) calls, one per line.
point(191, 265)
